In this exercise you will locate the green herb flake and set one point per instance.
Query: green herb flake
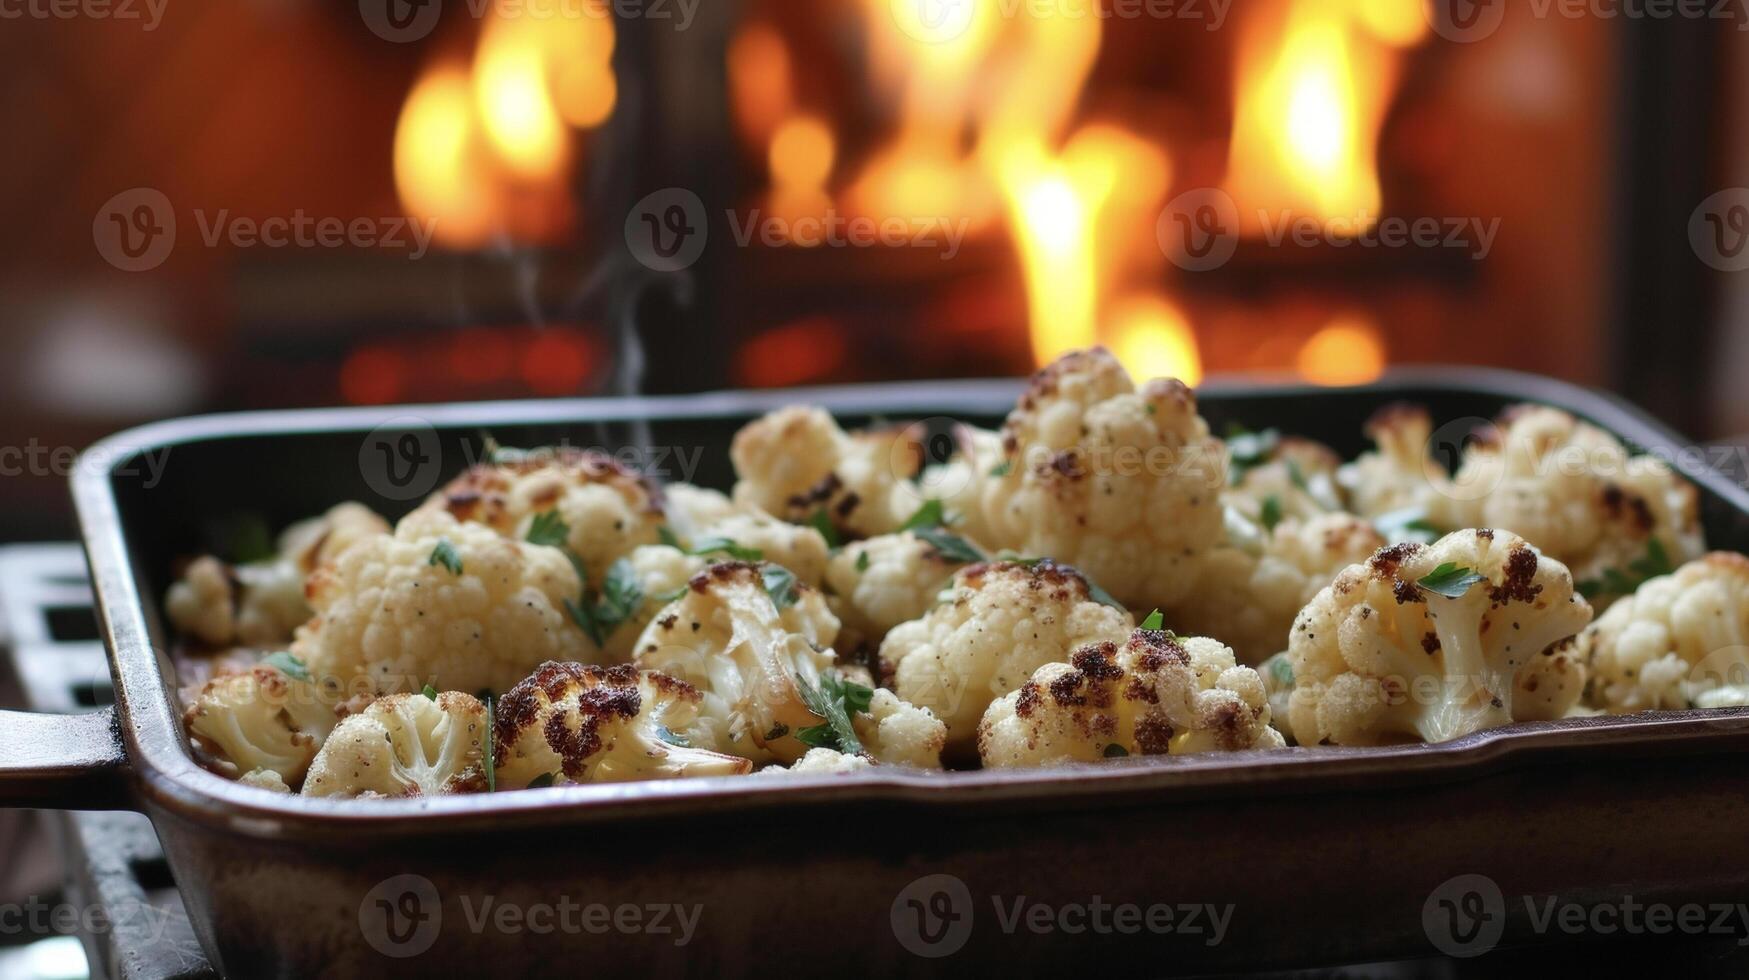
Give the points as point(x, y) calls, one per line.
point(445, 554)
point(288, 664)
point(1297, 477)
point(835, 700)
point(950, 546)
point(1247, 450)
point(780, 584)
point(666, 536)
point(664, 598)
point(862, 560)
point(1282, 669)
point(1154, 621)
point(543, 781)
point(711, 546)
point(1271, 515)
point(621, 595)
point(822, 522)
point(1101, 596)
point(928, 515)
point(1116, 751)
point(549, 529)
point(1451, 580)
point(430, 692)
point(1002, 469)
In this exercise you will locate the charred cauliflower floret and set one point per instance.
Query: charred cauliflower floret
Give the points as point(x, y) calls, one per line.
point(884, 581)
point(607, 508)
point(1155, 694)
point(449, 604)
point(567, 723)
point(994, 626)
point(260, 720)
point(261, 603)
point(1248, 592)
point(1431, 642)
point(405, 745)
point(1123, 484)
point(796, 462)
point(1575, 492)
point(754, 641)
point(1400, 473)
point(1675, 642)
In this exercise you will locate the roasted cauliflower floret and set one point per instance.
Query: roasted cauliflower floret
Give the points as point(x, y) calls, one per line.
point(1153, 695)
point(959, 483)
point(261, 603)
point(260, 720)
point(820, 762)
point(660, 573)
point(896, 732)
point(607, 507)
point(1574, 491)
point(1248, 593)
point(879, 583)
point(1430, 642)
point(449, 604)
point(1285, 476)
point(1123, 484)
point(754, 641)
point(1400, 473)
point(796, 462)
point(994, 626)
point(405, 745)
point(1678, 638)
point(701, 518)
point(567, 723)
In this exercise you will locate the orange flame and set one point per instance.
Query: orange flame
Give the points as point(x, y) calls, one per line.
point(1315, 78)
point(1349, 351)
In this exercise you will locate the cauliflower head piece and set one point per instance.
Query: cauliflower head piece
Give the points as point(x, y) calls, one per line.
point(754, 641)
point(1123, 484)
point(1249, 591)
point(1676, 642)
point(260, 603)
point(895, 732)
point(876, 584)
point(704, 519)
point(1575, 492)
point(1399, 474)
point(259, 721)
point(440, 602)
point(1156, 694)
point(658, 573)
point(1285, 476)
point(994, 626)
point(820, 762)
point(567, 723)
point(796, 462)
point(608, 508)
point(405, 745)
point(1433, 642)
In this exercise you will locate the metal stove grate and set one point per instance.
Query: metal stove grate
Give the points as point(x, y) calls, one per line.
point(115, 873)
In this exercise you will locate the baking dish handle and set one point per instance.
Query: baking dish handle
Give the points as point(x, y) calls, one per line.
point(62, 762)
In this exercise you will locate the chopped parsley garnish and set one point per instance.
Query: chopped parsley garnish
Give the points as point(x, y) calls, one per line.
point(1451, 580)
point(1297, 477)
point(1406, 524)
point(1101, 596)
point(1247, 450)
point(1271, 515)
point(445, 554)
point(1154, 621)
point(950, 546)
point(288, 664)
point(1282, 670)
point(620, 596)
point(543, 780)
point(1002, 469)
point(248, 539)
point(862, 560)
point(550, 529)
point(430, 692)
point(1116, 751)
point(491, 747)
point(928, 515)
point(1655, 563)
point(666, 536)
point(835, 700)
point(822, 522)
point(671, 738)
point(780, 584)
point(713, 545)
point(666, 597)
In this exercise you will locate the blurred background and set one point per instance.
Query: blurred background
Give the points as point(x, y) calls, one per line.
point(276, 203)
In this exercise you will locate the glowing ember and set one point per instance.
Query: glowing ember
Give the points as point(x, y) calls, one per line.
point(1347, 352)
